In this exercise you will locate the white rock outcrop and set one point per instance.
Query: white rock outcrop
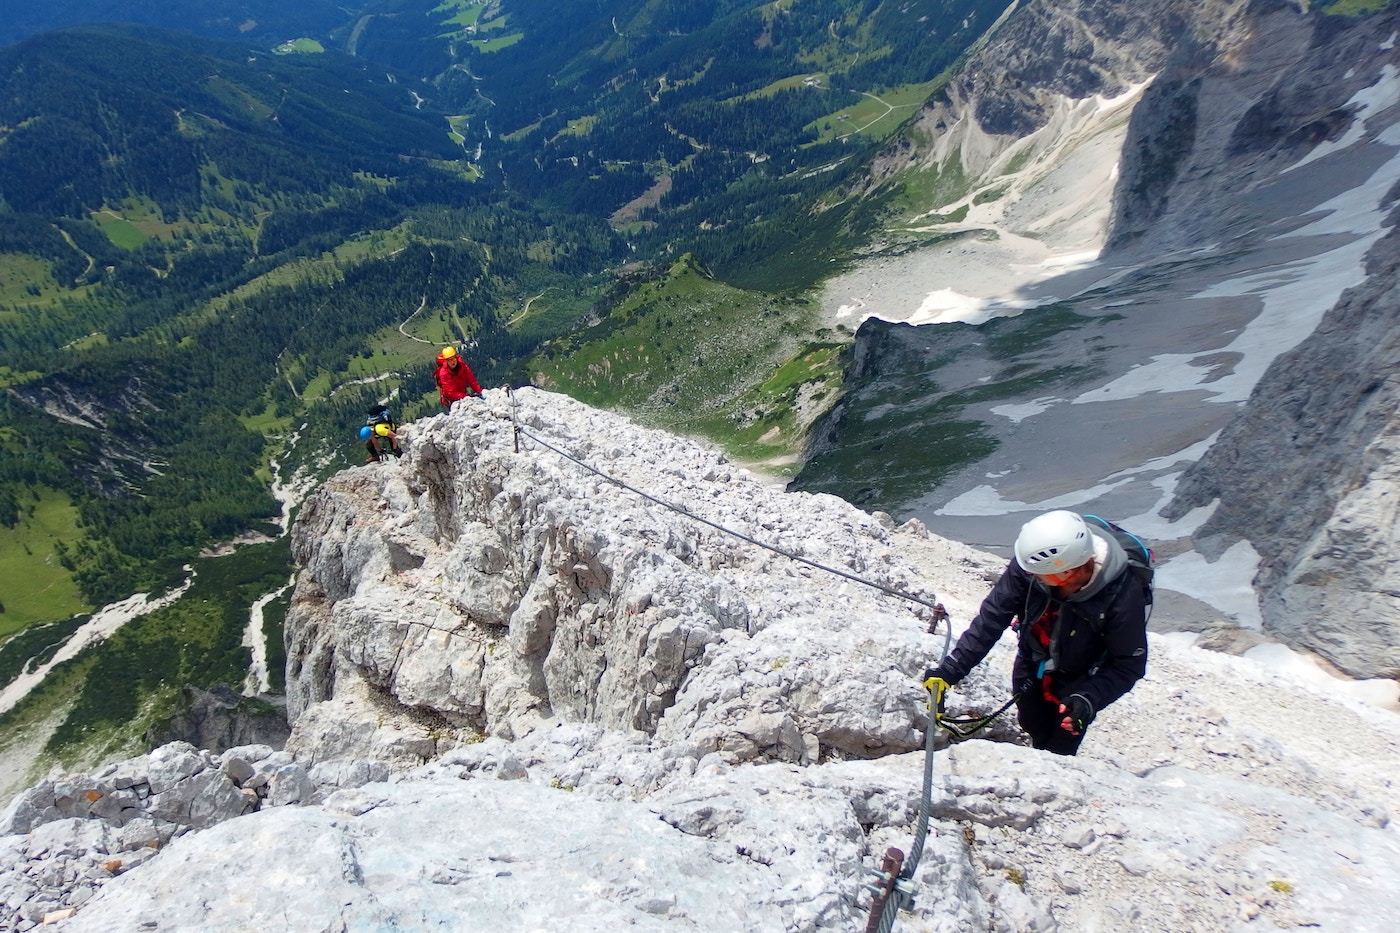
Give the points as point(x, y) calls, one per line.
point(527, 698)
point(476, 589)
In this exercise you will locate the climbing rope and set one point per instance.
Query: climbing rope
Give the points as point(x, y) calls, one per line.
point(682, 510)
point(965, 727)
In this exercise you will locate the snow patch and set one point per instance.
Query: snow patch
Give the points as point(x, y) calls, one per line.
point(1227, 583)
point(1017, 413)
point(1368, 101)
point(1304, 670)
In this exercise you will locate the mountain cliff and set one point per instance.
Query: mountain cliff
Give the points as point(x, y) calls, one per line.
point(521, 691)
point(1307, 473)
point(559, 595)
point(1299, 121)
point(552, 667)
point(1238, 290)
point(1032, 97)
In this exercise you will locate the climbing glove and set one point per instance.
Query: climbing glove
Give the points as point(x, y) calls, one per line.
point(1078, 713)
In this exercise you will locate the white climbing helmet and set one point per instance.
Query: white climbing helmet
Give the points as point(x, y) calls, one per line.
point(1054, 542)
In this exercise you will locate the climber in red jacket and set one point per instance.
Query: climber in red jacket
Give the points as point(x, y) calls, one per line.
point(455, 379)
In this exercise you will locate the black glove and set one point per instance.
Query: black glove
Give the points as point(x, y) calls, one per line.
point(941, 673)
point(1078, 713)
point(937, 681)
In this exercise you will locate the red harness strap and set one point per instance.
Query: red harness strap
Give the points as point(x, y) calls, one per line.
point(1041, 632)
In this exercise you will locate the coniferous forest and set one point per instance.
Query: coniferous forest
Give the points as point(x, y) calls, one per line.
point(219, 247)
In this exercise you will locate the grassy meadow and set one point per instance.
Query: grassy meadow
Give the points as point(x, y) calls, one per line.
point(695, 356)
point(37, 587)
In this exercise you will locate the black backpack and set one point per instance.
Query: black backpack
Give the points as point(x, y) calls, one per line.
point(380, 414)
point(1140, 556)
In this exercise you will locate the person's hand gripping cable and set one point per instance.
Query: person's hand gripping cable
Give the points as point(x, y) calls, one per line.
point(936, 683)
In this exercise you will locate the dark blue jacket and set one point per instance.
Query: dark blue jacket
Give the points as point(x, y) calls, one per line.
point(1098, 648)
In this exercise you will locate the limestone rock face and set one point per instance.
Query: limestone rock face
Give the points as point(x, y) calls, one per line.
point(475, 589)
point(1078, 49)
point(1044, 54)
point(1240, 141)
point(1308, 473)
point(219, 719)
point(1231, 113)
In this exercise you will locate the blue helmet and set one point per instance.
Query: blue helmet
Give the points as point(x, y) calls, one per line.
point(366, 433)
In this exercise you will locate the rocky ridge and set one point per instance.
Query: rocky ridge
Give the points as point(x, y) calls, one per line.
point(494, 590)
point(586, 769)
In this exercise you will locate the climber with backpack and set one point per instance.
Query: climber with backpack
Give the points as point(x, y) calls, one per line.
point(1078, 593)
point(455, 379)
point(380, 434)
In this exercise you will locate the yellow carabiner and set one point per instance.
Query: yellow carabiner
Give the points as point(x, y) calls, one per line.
point(936, 686)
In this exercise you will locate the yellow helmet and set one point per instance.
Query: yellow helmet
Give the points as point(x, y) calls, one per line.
point(447, 353)
point(382, 429)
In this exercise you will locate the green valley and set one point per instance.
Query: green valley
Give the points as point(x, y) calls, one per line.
point(215, 256)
